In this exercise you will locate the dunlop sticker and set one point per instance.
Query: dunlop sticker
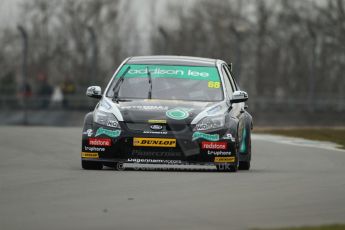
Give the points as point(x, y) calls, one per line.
point(224, 159)
point(154, 142)
point(89, 155)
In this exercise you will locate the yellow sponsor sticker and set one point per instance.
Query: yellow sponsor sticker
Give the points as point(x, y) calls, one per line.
point(224, 159)
point(154, 142)
point(157, 121)
point(213, 84)
point(89, 155)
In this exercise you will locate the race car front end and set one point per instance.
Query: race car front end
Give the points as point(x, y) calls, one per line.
point(165, 110)
point(159, 140)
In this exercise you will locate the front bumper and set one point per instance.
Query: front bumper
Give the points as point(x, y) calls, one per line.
point(138, 146)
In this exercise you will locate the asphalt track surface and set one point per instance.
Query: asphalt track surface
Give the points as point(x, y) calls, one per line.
point(42, 186)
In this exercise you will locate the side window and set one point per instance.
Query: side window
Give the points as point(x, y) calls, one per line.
point(233, 83)
point(227, 82)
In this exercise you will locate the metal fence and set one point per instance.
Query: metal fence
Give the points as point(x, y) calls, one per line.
point(82, 102)
point(265, 111)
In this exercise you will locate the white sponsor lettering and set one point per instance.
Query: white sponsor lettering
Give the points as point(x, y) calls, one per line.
point(94, 149)
point(155, 132)
point(218, 153)
point(88, 132)
point(228, 136)
point(154, 161)
point(147, 107)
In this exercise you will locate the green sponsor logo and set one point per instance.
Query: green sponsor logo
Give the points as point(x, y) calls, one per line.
point(178, 113)
point(110, 133)
point(243, 148)
point(209, 137)
point(170, 71)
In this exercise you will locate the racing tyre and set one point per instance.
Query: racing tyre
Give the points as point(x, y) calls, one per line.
point(90, 165)
point(244, 165)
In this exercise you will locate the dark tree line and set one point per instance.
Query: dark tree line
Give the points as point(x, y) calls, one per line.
point(282, 50)
point(61, 41)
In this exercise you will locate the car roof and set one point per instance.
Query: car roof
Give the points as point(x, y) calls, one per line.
point(172, 60)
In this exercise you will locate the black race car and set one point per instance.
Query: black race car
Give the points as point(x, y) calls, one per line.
point(168, 110)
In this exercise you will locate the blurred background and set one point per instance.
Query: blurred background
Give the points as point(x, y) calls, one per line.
point(288, 55)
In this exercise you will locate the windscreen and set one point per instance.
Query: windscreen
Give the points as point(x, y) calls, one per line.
point(168, 82)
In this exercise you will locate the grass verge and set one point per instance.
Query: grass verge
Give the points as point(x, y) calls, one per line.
point(336, 135)
point(325, 227)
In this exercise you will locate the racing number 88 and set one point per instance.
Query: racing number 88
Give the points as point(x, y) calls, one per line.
point(214, 84)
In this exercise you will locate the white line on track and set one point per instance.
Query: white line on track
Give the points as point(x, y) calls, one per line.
point(297, 142)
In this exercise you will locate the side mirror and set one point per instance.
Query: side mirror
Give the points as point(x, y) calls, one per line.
point(94, 91)
point(239, 96)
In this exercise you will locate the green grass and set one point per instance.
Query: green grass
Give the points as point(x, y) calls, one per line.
point(325, 227)
point(336, 135)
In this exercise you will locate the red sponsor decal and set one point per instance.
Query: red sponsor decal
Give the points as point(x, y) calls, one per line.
point(214, 145)
point(100, 141)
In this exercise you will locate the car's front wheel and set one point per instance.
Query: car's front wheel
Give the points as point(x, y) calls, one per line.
point(91, 165)
point(244, 165)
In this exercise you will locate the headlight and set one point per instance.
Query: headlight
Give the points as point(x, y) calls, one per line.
point(107, 119)
point(208, 123)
